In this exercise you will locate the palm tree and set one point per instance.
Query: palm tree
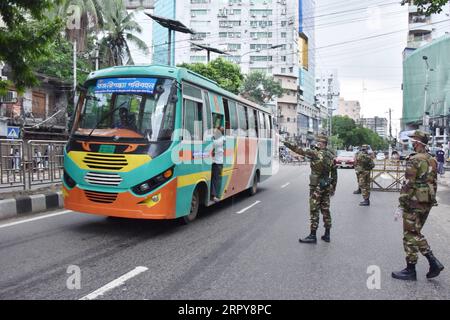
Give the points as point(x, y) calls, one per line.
point(90, 19)
point(118, 30)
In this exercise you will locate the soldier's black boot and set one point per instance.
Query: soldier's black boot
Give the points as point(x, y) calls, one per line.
point(365, 203)
point(435, 266)
point(326, 236)
point(409, 273)
point(309, 239)
point(357, 191)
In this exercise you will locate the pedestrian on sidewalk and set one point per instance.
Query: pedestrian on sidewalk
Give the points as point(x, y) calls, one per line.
point(322, 185)
point(440, 157)
point(417, 197)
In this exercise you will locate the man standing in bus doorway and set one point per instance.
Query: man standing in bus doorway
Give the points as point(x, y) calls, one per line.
point(417, 197)
point(217, 163)
point(366, 164)
point(322, 185)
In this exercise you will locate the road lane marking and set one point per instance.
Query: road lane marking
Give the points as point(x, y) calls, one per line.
point(251, 206)
point(115, 283)
point(34, 219)
point(285, 185)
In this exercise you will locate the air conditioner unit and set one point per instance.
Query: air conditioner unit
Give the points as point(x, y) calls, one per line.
point(193, 15)
point(238, 35)
point(10, 97)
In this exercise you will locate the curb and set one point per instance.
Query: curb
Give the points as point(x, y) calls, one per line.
point(11, 208)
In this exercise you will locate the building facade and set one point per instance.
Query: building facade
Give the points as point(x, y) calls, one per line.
point(287, 107)
point(349, 108)
point(247, 30)
point(327, 90)
point(134, 4)
point(426, 89)
point(376, 124)
point(422, 29)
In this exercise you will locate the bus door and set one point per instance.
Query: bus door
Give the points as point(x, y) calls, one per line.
point(231, 128)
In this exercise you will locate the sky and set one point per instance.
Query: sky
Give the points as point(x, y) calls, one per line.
point(369, 70)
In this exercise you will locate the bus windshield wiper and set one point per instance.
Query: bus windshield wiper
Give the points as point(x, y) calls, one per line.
point(105, 116)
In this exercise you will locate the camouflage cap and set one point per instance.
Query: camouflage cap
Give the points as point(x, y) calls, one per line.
point(420, 136)
point(364, 147)
point(322, 138)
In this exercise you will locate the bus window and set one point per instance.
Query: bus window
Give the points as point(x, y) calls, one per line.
point(268, 125)
point(207, 111)
point(262, 125)
point(233, 115)
point(243, 121)
point(227, 115)
point(193, 119)
point(251, 123)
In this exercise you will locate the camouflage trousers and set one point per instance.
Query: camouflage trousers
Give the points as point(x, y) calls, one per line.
point(319, 201)
point(413, 240)
point(364, 184)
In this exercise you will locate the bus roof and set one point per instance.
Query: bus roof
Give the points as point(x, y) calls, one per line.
point(170, 72)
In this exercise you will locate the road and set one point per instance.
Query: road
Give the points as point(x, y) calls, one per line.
point(243, 248)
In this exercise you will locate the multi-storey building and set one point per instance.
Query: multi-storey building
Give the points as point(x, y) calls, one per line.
point(376, 124)
point(287, 107)
point(327, 93)
point(134, 4)
point(423, 29)
point(349, 108)
point(248, 30)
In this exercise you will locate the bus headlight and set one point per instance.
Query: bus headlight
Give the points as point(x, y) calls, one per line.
point(68, 180)
point(153, 183)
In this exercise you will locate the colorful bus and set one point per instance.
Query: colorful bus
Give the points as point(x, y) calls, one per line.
point(141, 144)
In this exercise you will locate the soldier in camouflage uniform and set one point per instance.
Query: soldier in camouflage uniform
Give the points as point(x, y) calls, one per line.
point(366, 165)
point(417, 197)
point(358, 169)
point(323, 180)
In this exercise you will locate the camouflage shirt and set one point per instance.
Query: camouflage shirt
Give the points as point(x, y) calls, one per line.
point(421, 174)
point(322, 163)
point(364, 162)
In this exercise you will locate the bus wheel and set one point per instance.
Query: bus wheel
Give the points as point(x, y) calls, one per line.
point(254, 188)
point(195, 204)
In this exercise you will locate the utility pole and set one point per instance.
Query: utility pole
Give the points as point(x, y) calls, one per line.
point(390, 123)
point(96, 54)
point(74, 73)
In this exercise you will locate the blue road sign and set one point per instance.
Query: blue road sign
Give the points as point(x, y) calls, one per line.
point(13, 133)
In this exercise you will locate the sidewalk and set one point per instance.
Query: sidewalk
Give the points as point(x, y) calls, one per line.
point(14, 203)
point(445, 179)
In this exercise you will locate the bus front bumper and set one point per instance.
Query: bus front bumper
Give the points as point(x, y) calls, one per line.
point(158, 205)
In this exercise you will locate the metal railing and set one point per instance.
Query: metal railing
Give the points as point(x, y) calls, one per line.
point(31, 163)
point(12, 172)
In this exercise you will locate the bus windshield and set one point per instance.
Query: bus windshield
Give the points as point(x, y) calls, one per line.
point(128, 107)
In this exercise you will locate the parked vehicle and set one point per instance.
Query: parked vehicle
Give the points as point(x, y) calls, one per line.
point(345, 159)
point(381, 156)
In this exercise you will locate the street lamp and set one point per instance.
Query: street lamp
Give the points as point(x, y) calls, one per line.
point(208, 50)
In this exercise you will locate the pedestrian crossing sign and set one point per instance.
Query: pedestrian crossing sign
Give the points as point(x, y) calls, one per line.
point(13, 132)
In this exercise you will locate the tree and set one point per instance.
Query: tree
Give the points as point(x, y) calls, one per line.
point(428, 7)
point(83, 17)
point(59, 63)
point(119, 26)
point(260, 88)
point(227, 74)
point(346, 130)
point(26, 37)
